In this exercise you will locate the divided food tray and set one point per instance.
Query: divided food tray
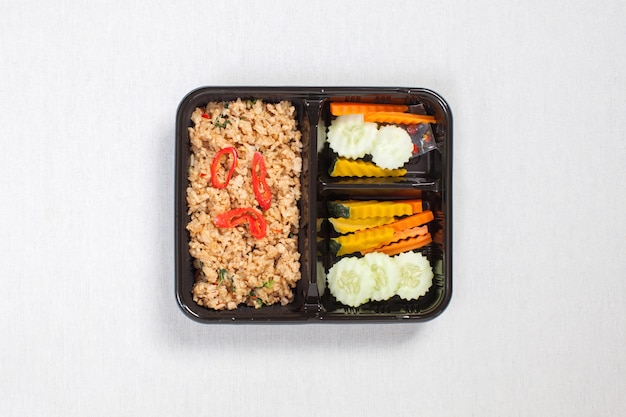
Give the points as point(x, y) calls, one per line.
point(428, 177)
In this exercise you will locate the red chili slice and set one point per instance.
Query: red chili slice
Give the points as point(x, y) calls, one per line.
point(259, 182)
point(232, 218)
point(215, 165)
point(236, 217)
point(258, 225)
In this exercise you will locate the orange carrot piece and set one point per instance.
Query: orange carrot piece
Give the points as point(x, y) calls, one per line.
point(406, 245)
point(411, 221)
point(340, 108)
point(398, 118)
point(407, 222)
point(407, 233)
point(400, 235)
point(416, 205)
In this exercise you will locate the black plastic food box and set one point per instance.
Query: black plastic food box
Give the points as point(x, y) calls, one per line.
point(429, 177)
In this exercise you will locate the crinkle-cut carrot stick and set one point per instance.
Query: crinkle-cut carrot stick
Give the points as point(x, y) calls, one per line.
point(398, 118)
point(413, 232)
point(413, 220)
point(341, 108)
point(406, 245)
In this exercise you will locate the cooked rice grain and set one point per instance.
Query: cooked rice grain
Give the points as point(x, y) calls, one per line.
point(233, 267)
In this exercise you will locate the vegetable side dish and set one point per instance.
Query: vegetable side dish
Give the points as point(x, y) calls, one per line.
point(377, 277)
point(376, 140)
point(376, 242)
point(381, 237)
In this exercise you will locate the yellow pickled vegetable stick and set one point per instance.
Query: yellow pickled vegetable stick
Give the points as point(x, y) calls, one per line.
point(373, 208)
point(343, 225)
point(343, 167)
point(355, 242)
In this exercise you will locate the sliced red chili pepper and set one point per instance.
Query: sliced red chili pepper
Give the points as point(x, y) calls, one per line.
point(206, 116)
point(236, 217)
point(232, 218)
point(258, 225)
point(262, 191)
point(215, 165)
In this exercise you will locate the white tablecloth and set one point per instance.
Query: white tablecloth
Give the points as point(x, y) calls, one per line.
point(88, 320)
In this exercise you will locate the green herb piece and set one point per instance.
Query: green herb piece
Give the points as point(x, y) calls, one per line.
point(251, 102)
point(269, 283)
point(226, 104)
point(223, 275)
point(217, 122)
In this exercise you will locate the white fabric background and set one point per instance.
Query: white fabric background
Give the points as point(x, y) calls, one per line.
point(88, 320)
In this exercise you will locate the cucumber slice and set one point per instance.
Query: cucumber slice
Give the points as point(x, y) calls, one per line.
point(386, 275)
point(351, 281)
point(392, 148)
point(349, 136)
point(416, 275)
